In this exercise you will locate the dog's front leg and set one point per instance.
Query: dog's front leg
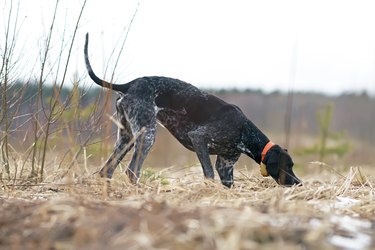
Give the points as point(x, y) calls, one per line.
point(224, 166)
point(201, 148)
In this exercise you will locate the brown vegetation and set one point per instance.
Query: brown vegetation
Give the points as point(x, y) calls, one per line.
point(176, 209)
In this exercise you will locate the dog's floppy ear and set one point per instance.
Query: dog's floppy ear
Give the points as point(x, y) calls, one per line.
point(272, 161)
point(273, 169)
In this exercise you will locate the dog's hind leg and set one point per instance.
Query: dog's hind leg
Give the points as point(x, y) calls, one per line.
point(123, 145)
point(201, 148)
point(142, 145)
point(224, 166)
point(142, 116)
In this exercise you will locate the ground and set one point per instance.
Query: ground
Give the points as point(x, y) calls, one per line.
point(177, 209)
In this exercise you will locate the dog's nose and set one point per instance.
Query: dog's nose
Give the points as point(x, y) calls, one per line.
point(291, 181)
point(297, 182)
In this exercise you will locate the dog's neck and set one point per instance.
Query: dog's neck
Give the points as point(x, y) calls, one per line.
point(254, 141)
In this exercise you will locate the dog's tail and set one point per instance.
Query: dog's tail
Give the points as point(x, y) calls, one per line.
point(97, 80)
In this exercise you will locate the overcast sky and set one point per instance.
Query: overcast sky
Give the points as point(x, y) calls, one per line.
point(326, 46)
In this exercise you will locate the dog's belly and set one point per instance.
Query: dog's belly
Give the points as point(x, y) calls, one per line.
point(175, 123)
point(220, 141)
point(214, 147)
point(181, 135)
point(222, 149)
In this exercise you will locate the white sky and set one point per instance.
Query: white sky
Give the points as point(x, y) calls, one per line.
point(213, 43)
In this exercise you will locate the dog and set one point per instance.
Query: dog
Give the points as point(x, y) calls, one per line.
point(201, 122)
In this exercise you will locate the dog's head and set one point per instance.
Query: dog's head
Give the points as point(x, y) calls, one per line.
point(279, 165)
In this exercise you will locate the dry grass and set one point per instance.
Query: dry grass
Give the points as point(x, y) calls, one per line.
point(177, 209)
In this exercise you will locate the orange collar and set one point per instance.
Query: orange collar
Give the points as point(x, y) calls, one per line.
point(266, 148)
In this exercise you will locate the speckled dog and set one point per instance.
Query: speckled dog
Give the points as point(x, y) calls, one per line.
point(201, 122)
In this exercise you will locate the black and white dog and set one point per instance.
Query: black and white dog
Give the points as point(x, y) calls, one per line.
point(200, 121)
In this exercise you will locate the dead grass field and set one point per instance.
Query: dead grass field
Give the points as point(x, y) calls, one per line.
point(176, 209)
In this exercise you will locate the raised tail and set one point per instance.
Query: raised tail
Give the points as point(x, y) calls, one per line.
point(97, 80)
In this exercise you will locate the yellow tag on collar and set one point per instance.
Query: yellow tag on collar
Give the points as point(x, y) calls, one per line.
point(263, 169)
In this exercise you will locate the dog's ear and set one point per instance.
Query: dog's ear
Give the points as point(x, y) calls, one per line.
point(272, 161)
point(273, 169)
